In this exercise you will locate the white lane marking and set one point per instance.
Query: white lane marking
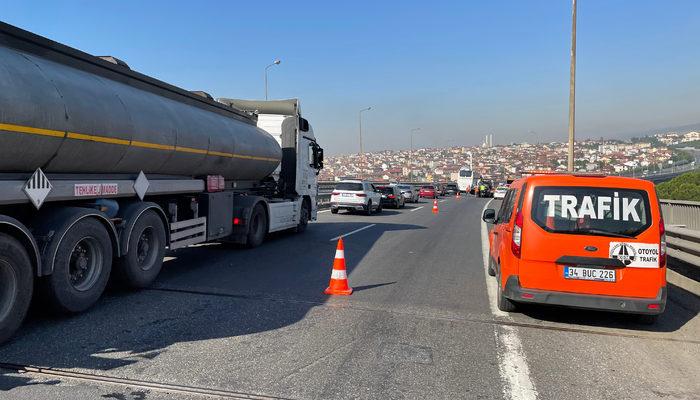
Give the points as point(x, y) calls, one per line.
point(441, 201)
point(491, 287)
point(512, 364)
point(417, 208)
point(318, 212)
point(352, 232)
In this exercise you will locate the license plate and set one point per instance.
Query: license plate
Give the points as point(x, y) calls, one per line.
point(348, 194)
point(589, 274)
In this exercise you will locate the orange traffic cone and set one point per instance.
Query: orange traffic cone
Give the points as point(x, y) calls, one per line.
point(339, 276)
point(458, 195)
point(435, 207)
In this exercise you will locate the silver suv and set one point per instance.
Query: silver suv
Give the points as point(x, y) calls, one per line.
point(355, 195)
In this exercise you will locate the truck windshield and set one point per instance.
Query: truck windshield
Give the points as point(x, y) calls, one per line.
point(591, 210)
point(349, 186)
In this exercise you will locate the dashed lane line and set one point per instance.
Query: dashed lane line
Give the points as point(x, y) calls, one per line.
point(352, 232)
point(512, 364)
point(417, 208)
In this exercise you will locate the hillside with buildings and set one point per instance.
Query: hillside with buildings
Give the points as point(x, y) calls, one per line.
point(638, 155)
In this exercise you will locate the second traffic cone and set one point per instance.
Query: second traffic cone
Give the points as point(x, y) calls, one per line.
point(339, 277)
point(435, 207)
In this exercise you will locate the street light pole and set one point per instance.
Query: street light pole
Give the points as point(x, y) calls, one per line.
point(276, 62)
point(572, 89)
point(410, 161)
point(360, 119)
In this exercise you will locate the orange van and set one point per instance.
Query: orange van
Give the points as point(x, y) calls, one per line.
point(584, 241)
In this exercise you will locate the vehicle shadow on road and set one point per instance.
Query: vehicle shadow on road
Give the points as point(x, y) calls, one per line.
point(203, 294)
point(681, 308)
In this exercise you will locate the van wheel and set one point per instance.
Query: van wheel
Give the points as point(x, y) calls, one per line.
point(491, 270)
point(16, 285)
point(380, 208)
point(140, 266)
point(368, 211)
point(257, 227)
point(504, 304)
point(81, 268)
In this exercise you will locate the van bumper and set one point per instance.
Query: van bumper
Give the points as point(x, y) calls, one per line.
point(633, 305)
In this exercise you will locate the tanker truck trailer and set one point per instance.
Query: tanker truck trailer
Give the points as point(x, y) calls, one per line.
point(103, 168)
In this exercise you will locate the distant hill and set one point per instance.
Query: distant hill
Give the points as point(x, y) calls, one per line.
point(677, 129)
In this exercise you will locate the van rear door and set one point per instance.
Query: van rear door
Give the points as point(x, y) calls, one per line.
point(595, 240)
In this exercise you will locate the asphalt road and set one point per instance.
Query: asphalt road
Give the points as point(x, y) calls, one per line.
point(422, 324)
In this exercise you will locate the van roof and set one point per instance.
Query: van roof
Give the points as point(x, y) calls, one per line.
point(593, 180)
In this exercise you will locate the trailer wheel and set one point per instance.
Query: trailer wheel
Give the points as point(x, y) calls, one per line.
point(257, 227)
point(16, 285)
point(140, 266)
point(81, 268)
point(304, 217)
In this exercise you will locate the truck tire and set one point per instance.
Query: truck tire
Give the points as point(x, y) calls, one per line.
point(140, 266)
point(16, 285)
point(334, 211)
point(304, 217)
point(81, 268)
point(257, 227)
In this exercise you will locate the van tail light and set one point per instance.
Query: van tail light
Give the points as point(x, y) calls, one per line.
point(360, 195)
point(516, 243)
point(335, 193)
point(662, 244)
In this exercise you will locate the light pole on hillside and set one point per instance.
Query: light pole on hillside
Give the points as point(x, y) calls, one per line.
point(410, 161)
point(360, 119)
point(276, 62)
point(572, 89)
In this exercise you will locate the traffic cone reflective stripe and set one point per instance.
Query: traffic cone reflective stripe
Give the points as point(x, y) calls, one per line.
point(435, 207)
point(339, 277)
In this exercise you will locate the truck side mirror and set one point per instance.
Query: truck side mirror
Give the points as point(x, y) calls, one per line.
point(489, 216)
point(303, 124)
point(318, 156)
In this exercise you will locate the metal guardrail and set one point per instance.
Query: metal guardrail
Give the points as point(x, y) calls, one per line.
point(680, 212)
point(683, 244)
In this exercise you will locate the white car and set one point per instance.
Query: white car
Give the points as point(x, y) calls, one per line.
point(500, 192)
point(409, 193)
point(355, 195)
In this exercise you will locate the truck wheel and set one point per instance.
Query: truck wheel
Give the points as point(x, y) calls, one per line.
point(81, 268)
point(491, 270)
point(304, 218)
point(257, 227)
point(16, 285)
point(503, 303)
point(140, 266)
point(334, 211)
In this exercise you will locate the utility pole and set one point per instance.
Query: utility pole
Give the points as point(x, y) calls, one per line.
point(410, 161)
point(572, 89)
point(362, 151)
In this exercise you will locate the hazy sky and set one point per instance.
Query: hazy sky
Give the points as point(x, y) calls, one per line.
point(457, 70)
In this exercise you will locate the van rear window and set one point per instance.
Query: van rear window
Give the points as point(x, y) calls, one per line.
point(591, 210)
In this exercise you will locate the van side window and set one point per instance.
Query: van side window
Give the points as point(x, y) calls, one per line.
point(504, 206)
point(509, 204)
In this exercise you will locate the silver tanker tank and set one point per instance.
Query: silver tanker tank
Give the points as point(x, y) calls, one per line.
point(69, 112)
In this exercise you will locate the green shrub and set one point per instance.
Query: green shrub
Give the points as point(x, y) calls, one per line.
point(682, 187)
